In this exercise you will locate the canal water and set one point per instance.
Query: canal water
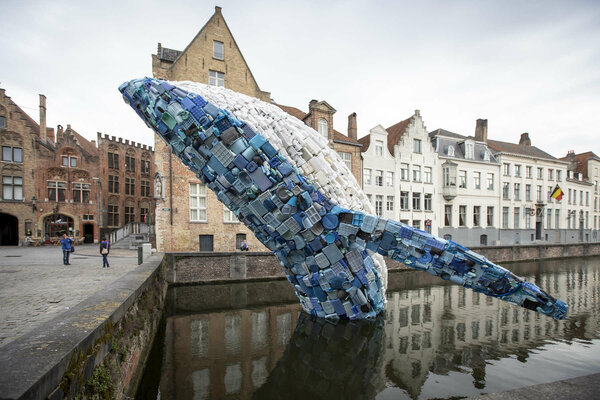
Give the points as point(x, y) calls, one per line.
point(436, 340)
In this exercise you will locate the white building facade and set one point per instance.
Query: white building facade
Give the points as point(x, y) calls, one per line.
point(398, 173)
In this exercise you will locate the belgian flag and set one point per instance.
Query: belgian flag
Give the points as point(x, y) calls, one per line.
point(557, 193)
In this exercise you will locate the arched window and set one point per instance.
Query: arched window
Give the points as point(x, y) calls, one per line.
point(323, 128)
point(451, 151)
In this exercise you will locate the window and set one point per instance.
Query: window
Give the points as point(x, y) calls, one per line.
point(528, 192)
point(378, 178)
point(528, 172)
point(129, 214)
point(550, 194)
point(404, 172)
point(477, 180)
point(490, 181)
point(417, 145)
point(144, 214)
point(486, 155)
point(229, 216)
point(505, 190)
point(390, 203)
point(404, 201)
point(517, 217)
point(462, 215)
point(587, 198)
point(417, 224)
point(581, 197)
point(427, 201)
point(416, 173)
point(113, 161)
point(12, 188)
point(462, 179)
point(370, 197)
point(469, 151)
point(145, 188)
point(239, 238)
point(556, 219)
point(389, 179)
point(347, 159)
point(427, 174)
point(539, 192)
point(81, 192)
point(367, 176)
point(550, 174)
point(506, 169)
point(558, 175)
point(540, 173)
point(528, 218)
point(56, 190)
point(517, 170)
point(416, 201)
point(569, 197)
point(448, 215)
point(323, 128)
point(379, 148)
point(129, 164)
point(517, 190)
point(129, 186)
point(145, 166)
point(88, 217)
point(451, 151)
point(113, 215)
point(216, 78)
point(113, 184)
point(476, 215)
point(218, 50)
point(449, 179)
point(197, 202)
point(505, 217)
point(12, 154)
point(490, 216)
point(379, 205)
point(548, 219)
point(2, 122)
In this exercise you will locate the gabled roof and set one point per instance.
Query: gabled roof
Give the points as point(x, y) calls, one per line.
point(293, 111)
point(395, 133)
point(581, 161)
point(524, 150)
point(340, 137)
point(83, 143)
point(365, 141)
point(443, 132)
point(169, 54)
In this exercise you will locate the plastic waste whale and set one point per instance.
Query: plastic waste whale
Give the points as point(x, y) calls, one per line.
point(302, 203)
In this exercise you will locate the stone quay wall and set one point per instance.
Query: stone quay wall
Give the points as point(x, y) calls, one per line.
point(212, 267)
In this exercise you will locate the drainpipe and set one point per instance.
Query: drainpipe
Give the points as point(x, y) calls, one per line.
point(99, 222)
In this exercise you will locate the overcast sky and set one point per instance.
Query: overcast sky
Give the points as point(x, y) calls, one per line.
point(526, 66)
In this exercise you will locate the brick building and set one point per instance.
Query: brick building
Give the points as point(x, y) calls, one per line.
point(185, 210)
point(18, 132)
point(127, 183)
point(63, 183)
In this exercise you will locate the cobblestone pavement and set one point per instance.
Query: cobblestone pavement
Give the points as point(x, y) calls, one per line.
point(35, 286)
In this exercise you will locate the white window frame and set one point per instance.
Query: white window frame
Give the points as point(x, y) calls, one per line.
point(216, 78)
point(379, 148)
point(9, 185)
point(417, 148)
point(198, 205)
point(346, 158)
point(229, 216)
point(216, 54)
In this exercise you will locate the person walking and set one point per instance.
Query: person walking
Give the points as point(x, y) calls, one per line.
point(104, 250)
point(66, 243)
point(244, 245)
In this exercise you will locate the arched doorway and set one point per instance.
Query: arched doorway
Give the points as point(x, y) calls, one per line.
point(9, 230)
point(57, 224)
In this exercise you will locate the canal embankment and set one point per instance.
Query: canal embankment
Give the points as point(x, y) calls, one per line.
point(98, 345)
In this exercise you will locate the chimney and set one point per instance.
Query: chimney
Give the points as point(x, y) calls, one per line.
point(59, 131)
point(352, 129)
point(42, 118)
point(525, 141)
point(158, 51)
point(217, 9)
point(481, 130)
point(50, 133)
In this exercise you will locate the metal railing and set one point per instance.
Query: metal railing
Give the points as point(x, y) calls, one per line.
point(132, 228)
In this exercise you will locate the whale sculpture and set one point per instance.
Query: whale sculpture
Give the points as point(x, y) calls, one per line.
point(281, 180)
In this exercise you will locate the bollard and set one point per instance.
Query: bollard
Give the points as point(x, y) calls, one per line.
point(140, 255)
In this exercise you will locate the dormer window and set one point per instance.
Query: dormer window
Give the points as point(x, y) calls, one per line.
point(451, 151)
point(379, 148)
point(469, 150)
point(486, 155)
point(69, 161)
point(323, 128)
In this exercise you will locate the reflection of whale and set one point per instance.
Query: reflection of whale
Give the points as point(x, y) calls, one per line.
point(304, 206)
point(329, 361)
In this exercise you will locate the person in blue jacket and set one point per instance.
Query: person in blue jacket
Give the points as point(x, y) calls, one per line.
point(66, 243)
point(104, 250)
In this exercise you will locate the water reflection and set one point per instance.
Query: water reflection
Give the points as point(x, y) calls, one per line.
point(437, 341)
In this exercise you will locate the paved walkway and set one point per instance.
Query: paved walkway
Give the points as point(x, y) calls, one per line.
point(35, 286)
